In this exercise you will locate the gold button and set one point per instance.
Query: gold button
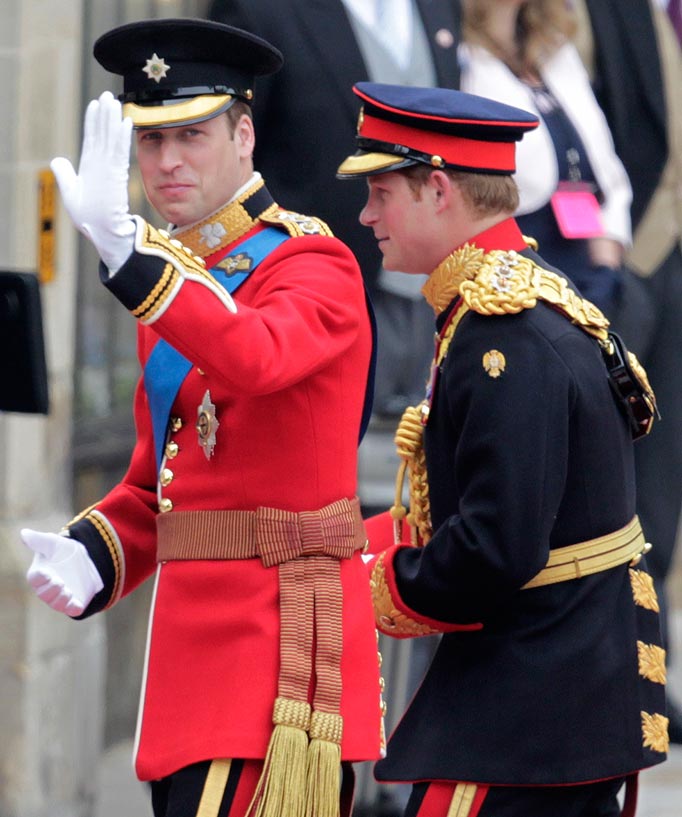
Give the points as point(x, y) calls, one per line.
point(201, 371)
point(638, 557)
point(165, 505)
point(172, 450)
point(166, 477)
point(175, 423)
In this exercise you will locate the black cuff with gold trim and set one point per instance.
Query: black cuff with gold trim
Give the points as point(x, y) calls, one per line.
point(140, 276)
point(87, 534)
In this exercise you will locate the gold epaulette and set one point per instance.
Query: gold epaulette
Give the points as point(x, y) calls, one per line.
point(506, 283)
point(297, 225)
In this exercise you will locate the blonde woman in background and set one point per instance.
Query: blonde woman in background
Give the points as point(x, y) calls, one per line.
point(574, 192)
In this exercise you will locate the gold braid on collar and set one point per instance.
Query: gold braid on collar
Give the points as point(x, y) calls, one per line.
point(224, 226)
point(443, 285)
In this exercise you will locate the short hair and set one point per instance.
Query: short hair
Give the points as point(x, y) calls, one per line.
point(235, 112)
point(486, 194)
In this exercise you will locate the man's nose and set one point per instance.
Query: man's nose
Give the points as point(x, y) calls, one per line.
point(170, 156)
point(367, 215)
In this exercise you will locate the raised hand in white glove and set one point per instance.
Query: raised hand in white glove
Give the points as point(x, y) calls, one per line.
point(62, 573)
point(97, 198)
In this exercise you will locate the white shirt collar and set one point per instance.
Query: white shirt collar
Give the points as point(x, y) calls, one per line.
point(396, 33)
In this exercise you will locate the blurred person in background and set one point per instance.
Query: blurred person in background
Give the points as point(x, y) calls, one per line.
point(574, 192)
point(306, 117)
point(633, 57)
point(674, 10)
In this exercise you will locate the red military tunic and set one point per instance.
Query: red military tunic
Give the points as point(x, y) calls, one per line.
point(287, 375)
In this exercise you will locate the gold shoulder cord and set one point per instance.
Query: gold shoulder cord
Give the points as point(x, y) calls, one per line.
point(495, 283)
point(409, 443)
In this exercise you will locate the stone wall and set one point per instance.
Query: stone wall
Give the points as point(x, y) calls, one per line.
point(51, 669)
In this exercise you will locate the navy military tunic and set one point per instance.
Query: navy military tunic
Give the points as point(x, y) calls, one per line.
point(548, 685)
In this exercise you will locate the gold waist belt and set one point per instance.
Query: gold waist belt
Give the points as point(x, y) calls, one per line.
point(307, 546)
point(592, 556)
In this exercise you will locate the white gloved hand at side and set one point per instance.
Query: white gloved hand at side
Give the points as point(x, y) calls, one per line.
point(97, 197)
point(62, 573)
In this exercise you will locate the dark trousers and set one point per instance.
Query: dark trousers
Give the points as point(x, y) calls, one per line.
point(222, 788)
point(588, 800)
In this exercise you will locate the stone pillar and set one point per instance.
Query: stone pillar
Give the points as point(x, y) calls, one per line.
point(51, 668)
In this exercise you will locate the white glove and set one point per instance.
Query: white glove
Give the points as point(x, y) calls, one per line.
point(97, 198)
point(62, 573)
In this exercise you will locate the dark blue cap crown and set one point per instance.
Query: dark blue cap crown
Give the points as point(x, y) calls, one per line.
point(403, 125)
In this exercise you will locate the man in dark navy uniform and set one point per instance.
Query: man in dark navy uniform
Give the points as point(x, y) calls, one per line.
point(521, 544)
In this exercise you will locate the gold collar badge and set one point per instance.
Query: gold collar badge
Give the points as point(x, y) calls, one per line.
point(494, 362)
point(207, 425)
point(156, 68)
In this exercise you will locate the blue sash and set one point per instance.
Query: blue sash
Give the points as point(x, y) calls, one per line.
point(166, 368)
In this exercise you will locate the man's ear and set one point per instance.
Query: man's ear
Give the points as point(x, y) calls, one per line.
point(244, 135)
point(440, 186)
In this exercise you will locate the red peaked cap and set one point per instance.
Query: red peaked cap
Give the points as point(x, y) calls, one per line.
point(404, 125)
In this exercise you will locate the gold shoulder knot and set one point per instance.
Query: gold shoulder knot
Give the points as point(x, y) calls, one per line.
point(295, 224)
point(505, 283)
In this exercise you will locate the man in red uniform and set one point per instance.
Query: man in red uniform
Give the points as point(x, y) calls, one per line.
point(255, 344)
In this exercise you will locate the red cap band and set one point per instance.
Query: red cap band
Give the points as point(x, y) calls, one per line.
point(455, 150)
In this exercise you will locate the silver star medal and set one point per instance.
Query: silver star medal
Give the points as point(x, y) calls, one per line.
point(207, 425)
point(156, 68)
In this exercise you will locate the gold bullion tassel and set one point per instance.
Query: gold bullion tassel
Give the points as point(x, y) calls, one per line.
point(324, 765)
point(281, 788)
